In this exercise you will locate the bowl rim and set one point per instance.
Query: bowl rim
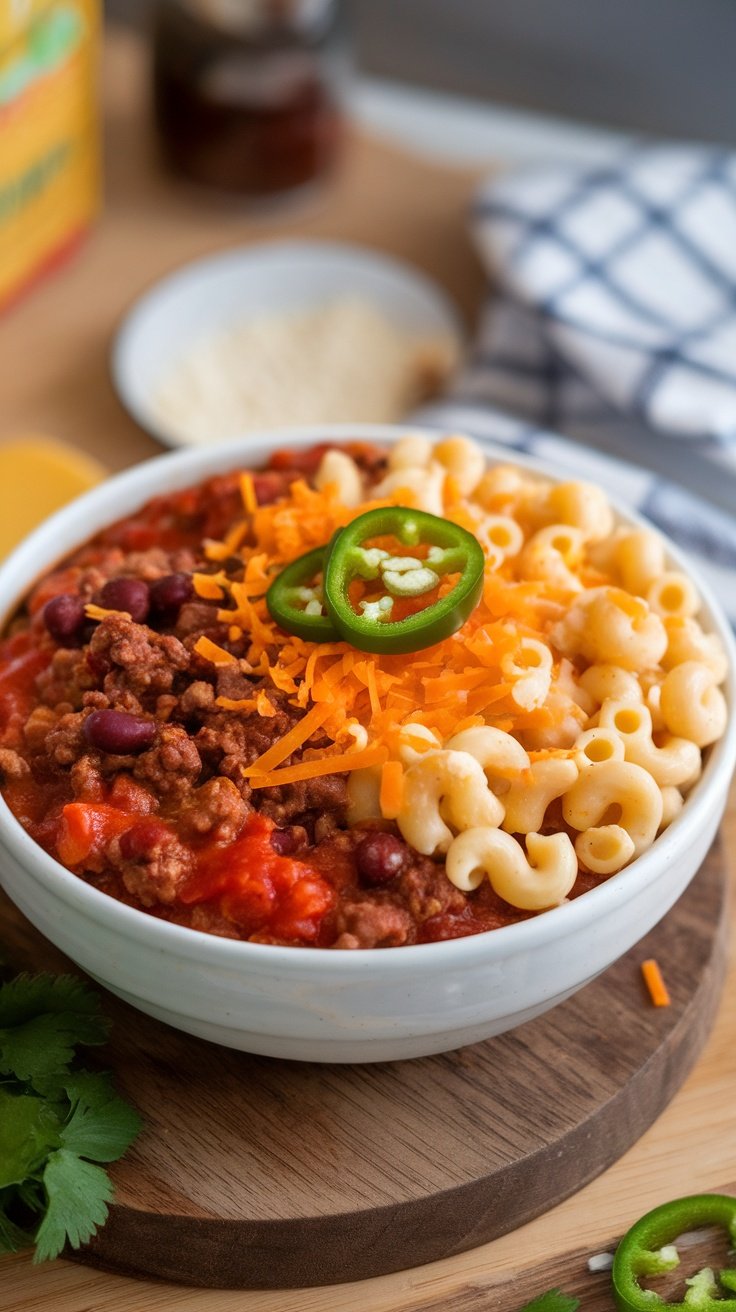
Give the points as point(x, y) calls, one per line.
point(123, 347)
point(119, 495)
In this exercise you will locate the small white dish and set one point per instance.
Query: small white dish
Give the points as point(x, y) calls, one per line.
point(211, 295)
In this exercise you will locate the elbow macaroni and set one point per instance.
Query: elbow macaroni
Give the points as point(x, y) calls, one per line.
point(340, 470)
point(463, 460)
point(551, 554)
point(596, 745)
point(424, 486)
point(444, 789)
point(605, 849)
point(604, 681)
point(635, 557)
point(609, 683)
point(527, 799)
point(621, 787)
point(687, 642)
point(498, 753)
point(670, 764)
point(580, 505)
point(500, 535)
point(692, 705)
point(530, 671)
point(612, 626)
point(673, 596)
point(541, 879)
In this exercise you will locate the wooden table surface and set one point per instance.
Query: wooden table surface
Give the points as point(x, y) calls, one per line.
point(53, 378)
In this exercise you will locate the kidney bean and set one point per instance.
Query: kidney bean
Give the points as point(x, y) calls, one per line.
point(64, 617)
point(169, 594)
point(380, 858)
point(118, 733)
point(128, 594)
point(287, 841)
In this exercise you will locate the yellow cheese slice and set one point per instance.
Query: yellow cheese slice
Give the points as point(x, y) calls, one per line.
point(37, 476)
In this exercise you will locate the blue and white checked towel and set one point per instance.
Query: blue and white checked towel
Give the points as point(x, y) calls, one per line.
point(613, 320)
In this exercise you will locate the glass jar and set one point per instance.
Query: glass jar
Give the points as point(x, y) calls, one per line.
point(249, 94)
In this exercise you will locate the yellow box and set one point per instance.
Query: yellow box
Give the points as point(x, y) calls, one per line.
point(49, 134)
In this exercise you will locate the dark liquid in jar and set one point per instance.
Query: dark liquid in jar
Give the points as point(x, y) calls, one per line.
point(257, 117)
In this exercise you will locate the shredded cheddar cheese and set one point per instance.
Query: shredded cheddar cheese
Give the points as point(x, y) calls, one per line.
point(392, 789)
point(457, 684)
point(291, 741)
point(208, 587)
point(656, 986)
point(247, 491)
point(211, 652)
point(291, 774)
point(99, 613)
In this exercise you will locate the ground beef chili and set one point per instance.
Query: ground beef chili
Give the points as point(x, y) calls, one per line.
point(116, 758)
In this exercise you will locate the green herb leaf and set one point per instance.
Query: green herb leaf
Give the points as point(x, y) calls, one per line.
point(41, 1022)
point(101, 1126)
point(27, 996)
point(77, 1194)
point(39, 1051)
point(552, 1301)
point(53, 1117)
point(29, 1130)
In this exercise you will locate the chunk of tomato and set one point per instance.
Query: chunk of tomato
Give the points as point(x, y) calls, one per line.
point(260, 891)
point(17, 680)
point(86, 829)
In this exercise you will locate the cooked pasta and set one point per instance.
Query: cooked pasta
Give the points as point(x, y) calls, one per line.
point(597, 666)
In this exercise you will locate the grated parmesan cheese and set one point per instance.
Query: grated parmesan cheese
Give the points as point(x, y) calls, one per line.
point(341, 362)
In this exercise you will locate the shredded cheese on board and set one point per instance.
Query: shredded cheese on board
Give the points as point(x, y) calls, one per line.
point(656, 987)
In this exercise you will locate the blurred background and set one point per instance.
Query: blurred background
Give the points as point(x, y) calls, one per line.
point(145, 136)
point(661, 66)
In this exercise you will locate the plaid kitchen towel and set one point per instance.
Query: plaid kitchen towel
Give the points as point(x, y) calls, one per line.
point(613, 321)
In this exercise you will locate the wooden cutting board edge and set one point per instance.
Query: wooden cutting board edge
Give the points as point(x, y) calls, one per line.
point(568, 1272)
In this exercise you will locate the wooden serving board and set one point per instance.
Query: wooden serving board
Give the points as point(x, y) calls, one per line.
point(263, 1174)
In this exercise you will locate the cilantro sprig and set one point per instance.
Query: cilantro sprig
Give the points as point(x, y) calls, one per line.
point(57, 1122)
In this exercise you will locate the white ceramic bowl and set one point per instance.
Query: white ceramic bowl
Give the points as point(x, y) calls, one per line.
point(314, 1004)
point(209, 296)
